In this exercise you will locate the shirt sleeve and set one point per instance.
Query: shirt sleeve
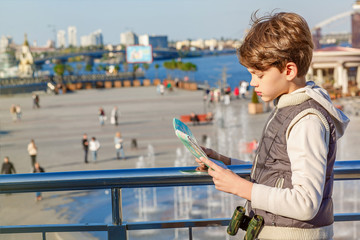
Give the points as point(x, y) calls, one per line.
point(307, 150)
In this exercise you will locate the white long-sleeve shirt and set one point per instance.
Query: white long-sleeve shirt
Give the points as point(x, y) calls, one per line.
point(308, 165)
point(94, 145)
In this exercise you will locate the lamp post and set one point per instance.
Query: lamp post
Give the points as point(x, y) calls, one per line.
point(53, 28)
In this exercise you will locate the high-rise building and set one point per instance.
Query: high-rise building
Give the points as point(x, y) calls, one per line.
point(72, 37)
point(94, 39)
point(5, 42)
point(156, 41)
point(129, 38)
point(61, 42)
point(98, 38)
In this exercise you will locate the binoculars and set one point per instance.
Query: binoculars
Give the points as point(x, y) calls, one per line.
point(239, 219)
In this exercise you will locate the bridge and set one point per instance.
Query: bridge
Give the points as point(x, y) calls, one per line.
point(157, 54)
point(355, 23)
point(116, 180)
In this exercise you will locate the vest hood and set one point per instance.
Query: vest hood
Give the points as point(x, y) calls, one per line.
point(320, 95)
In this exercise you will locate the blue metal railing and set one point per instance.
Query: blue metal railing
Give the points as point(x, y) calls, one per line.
point(133, 178)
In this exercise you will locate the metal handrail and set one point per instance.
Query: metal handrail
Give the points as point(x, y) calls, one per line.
point(134, 178)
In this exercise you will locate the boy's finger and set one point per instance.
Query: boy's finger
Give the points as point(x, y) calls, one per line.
point(210, 164)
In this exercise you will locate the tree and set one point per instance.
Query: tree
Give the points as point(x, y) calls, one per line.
point(59, 69)
point(69, 69)
point(126, 66)
point(79, 67)
point(117, 68)
point(170, 65)
point(135, 67)
point(99, 68)
point(254, 98)
point(157, 66)
point(88, 67)
point(145, 66)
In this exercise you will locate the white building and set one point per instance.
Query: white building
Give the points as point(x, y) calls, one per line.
point(211, 44)
point(61, 42)
point(5, 42)
point(156, 41)
point(144, 40)
point(72, 36)
point(94, 39)
point(200, 43)
point(129, 38)
point(181, 44)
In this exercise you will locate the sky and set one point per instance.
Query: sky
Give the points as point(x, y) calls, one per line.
point(178, 19)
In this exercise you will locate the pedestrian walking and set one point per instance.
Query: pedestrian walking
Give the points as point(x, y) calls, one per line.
point(13, 112)
point(119, 146)
point(36, 101)
point(7, 167)
point(102, 116)
point(18, 112)
point(85, 144)
point(94, 146)
point(32, 150)
point(38, 169)
point(114, 116)
point(236, 92)
point(244, 89)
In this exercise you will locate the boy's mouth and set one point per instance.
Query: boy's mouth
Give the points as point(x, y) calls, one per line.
point(258, 93)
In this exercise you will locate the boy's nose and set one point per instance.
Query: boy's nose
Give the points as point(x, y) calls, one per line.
point(253, 82)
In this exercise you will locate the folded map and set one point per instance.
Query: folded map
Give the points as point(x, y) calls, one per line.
point(183, 132)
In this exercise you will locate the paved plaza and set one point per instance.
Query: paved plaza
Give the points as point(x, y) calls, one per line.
point(58, 125)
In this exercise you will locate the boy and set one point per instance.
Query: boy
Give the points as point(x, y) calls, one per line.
point(292, 175)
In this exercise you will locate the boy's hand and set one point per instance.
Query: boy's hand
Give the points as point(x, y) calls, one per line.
point(211, 153)
point(202, 167)
point(227, 181)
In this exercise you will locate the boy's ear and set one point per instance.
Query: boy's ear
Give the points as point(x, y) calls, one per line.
point(291, 71)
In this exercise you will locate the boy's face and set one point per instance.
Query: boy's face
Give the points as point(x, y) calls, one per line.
point(269, 84)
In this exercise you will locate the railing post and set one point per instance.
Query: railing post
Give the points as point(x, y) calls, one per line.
point(116, 231)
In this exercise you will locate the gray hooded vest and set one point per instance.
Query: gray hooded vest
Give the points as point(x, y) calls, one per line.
point(272, 165)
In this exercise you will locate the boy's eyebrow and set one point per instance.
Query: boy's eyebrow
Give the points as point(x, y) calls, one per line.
point(254, 71)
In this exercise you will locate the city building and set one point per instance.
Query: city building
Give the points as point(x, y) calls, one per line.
point(183, 44)
point(94, 39)
point(72, 36)
point(8, 66)
point(5, 42)
point(211, 44)
point(98, 38)
point(156, 41)
point(50, 44)
point(129, 38)
point(198, 44)
point(338, 66)
point(61, 42)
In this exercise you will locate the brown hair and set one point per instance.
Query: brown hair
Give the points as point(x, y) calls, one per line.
point(276, 39)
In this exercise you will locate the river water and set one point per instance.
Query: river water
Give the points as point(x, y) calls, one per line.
point(209, 69)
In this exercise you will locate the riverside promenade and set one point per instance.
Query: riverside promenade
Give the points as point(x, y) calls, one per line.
point(58, 125)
